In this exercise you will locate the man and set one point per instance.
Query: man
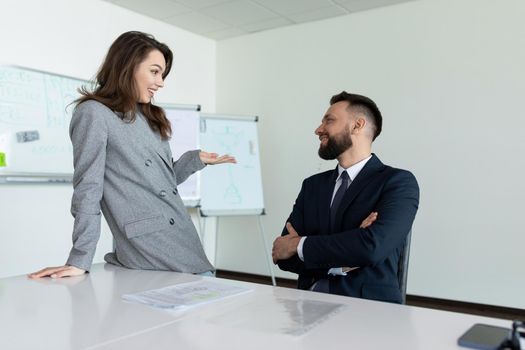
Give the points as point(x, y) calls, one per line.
point(348, 226)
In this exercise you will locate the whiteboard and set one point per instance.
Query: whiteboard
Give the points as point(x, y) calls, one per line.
point(35, 112)
point(231, 189)
point(185, 137)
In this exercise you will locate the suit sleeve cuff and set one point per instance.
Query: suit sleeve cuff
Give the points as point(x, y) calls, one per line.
point(336, 271)
point(300, 248)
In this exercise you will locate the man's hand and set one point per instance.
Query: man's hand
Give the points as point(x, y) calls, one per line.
point(285, 246)
point(213, 158)
point(369, 220)
point(366, 222)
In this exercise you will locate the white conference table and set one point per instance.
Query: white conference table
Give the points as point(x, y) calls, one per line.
point(87, 312)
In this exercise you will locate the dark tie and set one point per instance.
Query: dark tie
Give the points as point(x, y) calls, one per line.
point(338, 197)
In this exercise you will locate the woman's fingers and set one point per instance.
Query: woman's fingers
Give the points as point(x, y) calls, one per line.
point(47, 271)
point(57, 272)
point(213, 158)
point(225, 159)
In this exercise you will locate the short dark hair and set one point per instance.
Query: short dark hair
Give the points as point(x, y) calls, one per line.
point(364, 105)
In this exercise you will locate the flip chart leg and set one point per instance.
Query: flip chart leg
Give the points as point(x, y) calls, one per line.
point(266, 250)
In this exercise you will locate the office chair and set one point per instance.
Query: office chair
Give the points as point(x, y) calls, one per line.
point(402, 268)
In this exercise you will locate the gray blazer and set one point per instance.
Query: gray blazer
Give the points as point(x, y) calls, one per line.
point(127, 171)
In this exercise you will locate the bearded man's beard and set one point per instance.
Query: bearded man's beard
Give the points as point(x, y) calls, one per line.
point(335, 145)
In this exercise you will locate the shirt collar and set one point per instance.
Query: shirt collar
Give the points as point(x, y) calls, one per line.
point(354, 170)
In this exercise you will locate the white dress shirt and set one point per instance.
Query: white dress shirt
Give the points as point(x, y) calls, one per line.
point(353, 171)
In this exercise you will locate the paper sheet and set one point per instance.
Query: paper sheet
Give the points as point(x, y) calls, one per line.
point(186, 294)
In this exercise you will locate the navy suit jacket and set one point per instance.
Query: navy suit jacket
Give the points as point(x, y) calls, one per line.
point(393, 193)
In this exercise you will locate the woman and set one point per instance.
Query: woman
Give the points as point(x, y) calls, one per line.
point(123, 166)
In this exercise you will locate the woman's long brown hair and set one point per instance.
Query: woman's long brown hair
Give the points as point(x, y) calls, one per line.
point(114, 85)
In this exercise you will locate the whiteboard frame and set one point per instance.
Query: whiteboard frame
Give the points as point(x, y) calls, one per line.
point(46, 72)
point(235, 212)
point(186, 107)
point(25, 177)
point(28, 178)
point(189, 203)
point(229, 117)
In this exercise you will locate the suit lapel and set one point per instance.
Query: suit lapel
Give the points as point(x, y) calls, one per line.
point(326, 191)
point(163, 150)
point(155, 143)
point(372, 168)
point(166, 160)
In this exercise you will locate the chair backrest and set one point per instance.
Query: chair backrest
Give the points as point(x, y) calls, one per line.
point(402, 269)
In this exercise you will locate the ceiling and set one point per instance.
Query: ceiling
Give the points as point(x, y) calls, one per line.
point(221, 19)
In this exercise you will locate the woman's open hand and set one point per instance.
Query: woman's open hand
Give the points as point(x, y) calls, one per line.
point(214, 158)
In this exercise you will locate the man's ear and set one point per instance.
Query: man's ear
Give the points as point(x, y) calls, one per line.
point(359, 125)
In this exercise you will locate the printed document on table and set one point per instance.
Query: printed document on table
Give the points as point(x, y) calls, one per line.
point(186, 294)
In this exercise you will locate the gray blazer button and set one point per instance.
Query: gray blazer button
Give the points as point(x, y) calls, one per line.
point(162, 193)
point(175, 191)
point(148, 162)
point(172, 221)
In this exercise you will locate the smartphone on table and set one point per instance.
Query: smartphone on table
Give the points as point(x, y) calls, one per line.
point(484, 337)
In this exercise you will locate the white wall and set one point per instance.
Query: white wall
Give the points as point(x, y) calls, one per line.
point(448, 76)
point(71, 37)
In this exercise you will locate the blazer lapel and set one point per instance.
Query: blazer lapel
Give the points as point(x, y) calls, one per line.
point(326, 191)
point(166, 160)
point(155, 143)
point(367, 174)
